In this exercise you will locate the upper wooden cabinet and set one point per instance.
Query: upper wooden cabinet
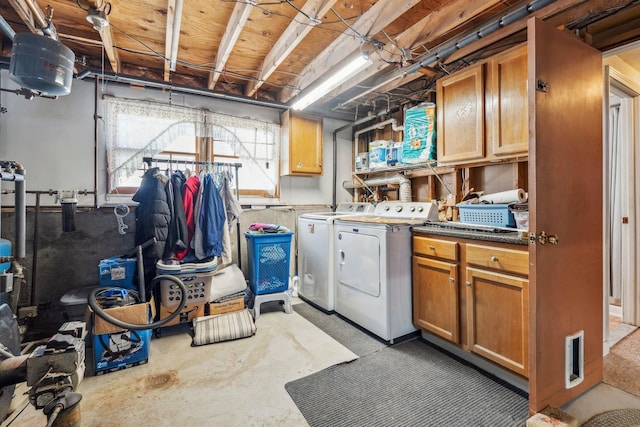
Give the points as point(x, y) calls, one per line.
point(460, 116)
point(302, 144)
point(483, 111)
point(507, 119)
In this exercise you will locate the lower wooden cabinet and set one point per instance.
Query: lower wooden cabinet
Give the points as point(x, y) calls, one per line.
point(498, 318)
point(435, 297)
point(487, 313)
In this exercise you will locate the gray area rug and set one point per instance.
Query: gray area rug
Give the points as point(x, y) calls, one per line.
point(407, 384)
point(615, 418)
point(350, 336)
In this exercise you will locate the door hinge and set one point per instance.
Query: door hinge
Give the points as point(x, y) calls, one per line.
point(543, 238)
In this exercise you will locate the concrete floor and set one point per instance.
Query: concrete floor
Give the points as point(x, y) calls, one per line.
point(236, 383)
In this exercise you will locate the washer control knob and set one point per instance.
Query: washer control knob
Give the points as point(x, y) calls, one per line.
point(398, 208)
point(420, 208)
point(412, 208)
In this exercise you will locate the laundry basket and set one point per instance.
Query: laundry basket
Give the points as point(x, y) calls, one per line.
point(269, 259)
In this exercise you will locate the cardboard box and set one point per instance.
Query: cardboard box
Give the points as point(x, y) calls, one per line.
point(226, 306)
point(419, 144)
point(188, 313)
point(120, 350)
point(137, 314)
point(116, 348)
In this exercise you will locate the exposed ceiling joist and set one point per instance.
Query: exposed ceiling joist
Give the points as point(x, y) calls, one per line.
point(374, 20)
point(432, 26)
point(236, 23)
point(106, 35)
point(172, 37)
point(26, 14)
point(292, 36)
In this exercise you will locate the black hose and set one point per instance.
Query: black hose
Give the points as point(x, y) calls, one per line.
point(101, 313)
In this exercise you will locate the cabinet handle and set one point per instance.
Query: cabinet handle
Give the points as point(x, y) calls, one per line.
point(494, 259)
point(467, 283)
point(451, 279)
point(432, 248)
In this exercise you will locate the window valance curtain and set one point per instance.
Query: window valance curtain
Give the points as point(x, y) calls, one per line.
point(137, 128)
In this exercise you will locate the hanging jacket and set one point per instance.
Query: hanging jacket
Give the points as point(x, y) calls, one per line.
point(177, 235)
point(152, 218)
point(189, 194)
point(212, 218)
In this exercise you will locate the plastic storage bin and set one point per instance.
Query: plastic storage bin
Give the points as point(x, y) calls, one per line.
point(495, 215)
point(269, 259)
point(197, 277)
point(75, 302)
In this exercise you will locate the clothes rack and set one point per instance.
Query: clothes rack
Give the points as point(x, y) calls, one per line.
point(235, 166)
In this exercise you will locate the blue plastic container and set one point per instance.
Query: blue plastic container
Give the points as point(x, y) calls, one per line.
point(117, 272)
point(5, 250)
point(495, 215)
point(269, 259)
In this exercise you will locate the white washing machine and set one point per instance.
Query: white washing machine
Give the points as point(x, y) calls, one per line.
point(373, 266)
point(315, 253)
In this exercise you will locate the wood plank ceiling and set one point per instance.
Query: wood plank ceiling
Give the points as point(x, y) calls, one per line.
point(273, 51)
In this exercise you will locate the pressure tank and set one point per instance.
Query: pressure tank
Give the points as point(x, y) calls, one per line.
point(5, 250)
point(41, 64)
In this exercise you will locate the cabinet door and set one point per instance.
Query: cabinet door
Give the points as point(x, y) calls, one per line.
point(435, 297)
point(301, 144)
point(461, 116)
point(498, 318)
point(507, 111)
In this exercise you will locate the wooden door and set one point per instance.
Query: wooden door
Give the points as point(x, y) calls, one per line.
point(507, 118)
point(498, 318)
point(435, 297)
point(460, 113)
point(565, 200)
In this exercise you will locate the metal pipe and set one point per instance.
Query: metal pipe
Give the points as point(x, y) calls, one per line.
point(20, 214)
point(43, 23)
point(405, 185)
point(491, 27)
point(6, 28)
point(34, 262)
point(117, 78)
point(13, 370)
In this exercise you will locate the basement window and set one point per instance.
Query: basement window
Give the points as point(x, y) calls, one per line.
point(186, 138)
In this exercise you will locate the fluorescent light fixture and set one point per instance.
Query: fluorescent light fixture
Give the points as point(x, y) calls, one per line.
point(353, 67)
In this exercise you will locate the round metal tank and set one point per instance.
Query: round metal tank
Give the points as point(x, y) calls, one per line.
point(41, 64)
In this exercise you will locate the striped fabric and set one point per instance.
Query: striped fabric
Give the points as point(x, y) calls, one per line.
point(223, 327)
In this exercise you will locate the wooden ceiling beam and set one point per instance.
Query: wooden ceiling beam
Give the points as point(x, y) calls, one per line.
point(432, 26)
point(26, 14)
point(174, 22)
point(106, 35)
point(290, 39)
point(374, 20)
point(235, 25)
point(553, 10)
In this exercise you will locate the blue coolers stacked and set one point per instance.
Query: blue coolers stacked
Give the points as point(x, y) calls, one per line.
point(269, 258)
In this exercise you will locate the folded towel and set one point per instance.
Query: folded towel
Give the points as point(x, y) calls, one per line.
point(268, 228)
